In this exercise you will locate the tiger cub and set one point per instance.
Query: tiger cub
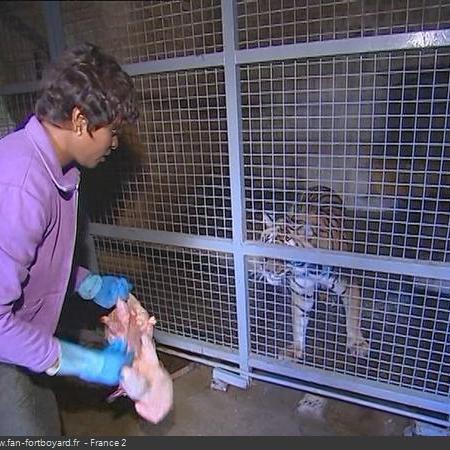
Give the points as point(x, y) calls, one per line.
point(317, 222)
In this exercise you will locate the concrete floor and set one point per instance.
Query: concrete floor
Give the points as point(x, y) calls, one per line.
point(262, 410)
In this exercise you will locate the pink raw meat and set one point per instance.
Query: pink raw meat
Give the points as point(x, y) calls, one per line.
point(146, 381)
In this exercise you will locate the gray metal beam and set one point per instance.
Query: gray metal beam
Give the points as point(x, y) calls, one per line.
point(372, 44)
point(174, 64)
point(92, 260)
point(19, 88)
point(353, 384)
point(431, 269)
point(234, 132)
point(196, 346)
point(162, 237)
point(376, 403)
point(55, 28)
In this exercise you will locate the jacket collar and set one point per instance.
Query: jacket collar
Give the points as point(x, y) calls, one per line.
point(67, 181)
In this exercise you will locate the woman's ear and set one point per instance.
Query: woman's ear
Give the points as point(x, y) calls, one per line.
point(79, 122)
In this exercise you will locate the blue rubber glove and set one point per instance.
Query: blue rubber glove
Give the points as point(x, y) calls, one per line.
point(94, 365)
point(104, 290)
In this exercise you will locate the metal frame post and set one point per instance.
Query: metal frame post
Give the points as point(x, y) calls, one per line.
point(232, 95)
point(55, 28)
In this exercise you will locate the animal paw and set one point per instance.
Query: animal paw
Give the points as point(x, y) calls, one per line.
point(358, 346)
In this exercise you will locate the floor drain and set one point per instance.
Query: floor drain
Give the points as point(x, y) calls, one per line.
point(312, 405)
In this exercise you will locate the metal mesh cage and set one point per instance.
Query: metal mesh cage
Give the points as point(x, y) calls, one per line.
point(276, 22)
point(404, 319)
point(142, 31)
point(191, 292)
point(23, 47)
point(373, 128)
point(342, 152)
point(180, 178)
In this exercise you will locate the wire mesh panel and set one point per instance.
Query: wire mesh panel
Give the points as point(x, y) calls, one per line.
point(14, 110)
point(175, 28)
point(23, 47)
point(179, 179)
point(341, 153)
point(103, 23)
point(376, 326)
point(142, 31)
point(191, 292)
point(353, 151)
point(276, 22)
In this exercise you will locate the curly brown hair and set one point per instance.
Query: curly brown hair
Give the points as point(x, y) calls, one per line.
point(91, 80)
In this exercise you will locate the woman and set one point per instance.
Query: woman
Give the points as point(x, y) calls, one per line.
point(86, 98)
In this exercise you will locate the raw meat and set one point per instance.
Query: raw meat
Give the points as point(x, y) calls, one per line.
point(146, 382)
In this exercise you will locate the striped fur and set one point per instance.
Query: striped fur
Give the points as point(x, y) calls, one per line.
point(316, 222)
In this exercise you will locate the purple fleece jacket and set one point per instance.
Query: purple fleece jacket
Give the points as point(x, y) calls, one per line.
point(38, 213)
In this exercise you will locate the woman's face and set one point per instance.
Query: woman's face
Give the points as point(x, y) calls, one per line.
point(90, 149)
